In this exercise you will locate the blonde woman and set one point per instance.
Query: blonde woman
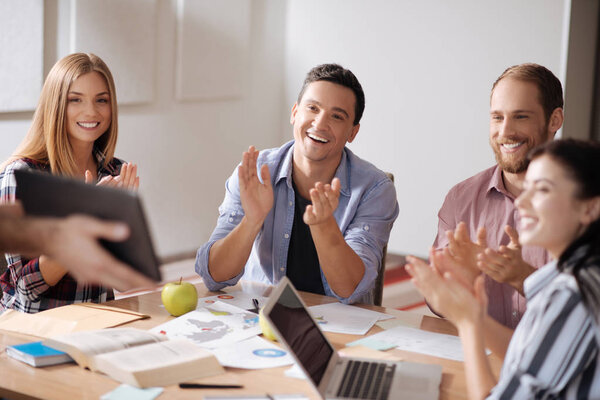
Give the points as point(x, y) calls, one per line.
point(73, 133)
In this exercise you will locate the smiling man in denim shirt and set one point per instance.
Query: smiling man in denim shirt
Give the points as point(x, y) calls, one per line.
point(311, 209)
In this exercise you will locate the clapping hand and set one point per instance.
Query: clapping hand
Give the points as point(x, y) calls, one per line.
point(325, 199)
point(445, 293)
point(464, 252)
point(257, 198)
point(506, 265)
point(127, 178)
point(444, 262)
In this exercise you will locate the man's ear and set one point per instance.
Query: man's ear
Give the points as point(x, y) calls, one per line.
point(556, 120)
point(354, 132)
point(293, 114)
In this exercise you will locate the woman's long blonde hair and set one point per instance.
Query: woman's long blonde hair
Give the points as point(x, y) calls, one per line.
point(47, 140)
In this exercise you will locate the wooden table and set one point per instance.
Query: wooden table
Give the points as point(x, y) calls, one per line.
point(68, 381)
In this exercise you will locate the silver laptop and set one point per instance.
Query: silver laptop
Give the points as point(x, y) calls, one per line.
point(337, 377)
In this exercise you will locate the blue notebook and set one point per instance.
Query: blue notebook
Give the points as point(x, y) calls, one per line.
point(37, 355)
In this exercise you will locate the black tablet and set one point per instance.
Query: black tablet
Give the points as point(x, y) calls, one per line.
point(43, 194)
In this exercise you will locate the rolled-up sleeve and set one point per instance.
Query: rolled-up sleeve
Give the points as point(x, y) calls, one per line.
point(368, 233)
point(230, 215)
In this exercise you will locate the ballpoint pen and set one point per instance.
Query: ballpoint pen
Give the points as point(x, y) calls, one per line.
point(186, 385)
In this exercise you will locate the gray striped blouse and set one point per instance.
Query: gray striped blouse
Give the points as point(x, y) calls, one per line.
point(553, 353)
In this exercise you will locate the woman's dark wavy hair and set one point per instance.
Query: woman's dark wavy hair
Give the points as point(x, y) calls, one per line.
point(581, 160)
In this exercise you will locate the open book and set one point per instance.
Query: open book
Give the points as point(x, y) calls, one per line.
point(137, 357)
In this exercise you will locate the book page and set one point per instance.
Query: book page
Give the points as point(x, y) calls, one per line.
point(152, 356)
point(88, 344)
point(159, 364)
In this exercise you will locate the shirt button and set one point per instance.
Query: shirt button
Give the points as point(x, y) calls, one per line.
point(514, 313)
point(230, 219)
point(290, 203)
point(286, 236)
point(233, 214)
point(282, 269)
point(367, 227)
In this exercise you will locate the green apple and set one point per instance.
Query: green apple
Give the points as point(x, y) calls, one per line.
point(179, 297)
point(265, 327)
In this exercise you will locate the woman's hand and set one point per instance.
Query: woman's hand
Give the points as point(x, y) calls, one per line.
point(446, 293)
point(127, 179)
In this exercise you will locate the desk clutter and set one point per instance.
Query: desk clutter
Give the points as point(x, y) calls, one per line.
point(230, 332)
point(137, 357)
point(223, 331)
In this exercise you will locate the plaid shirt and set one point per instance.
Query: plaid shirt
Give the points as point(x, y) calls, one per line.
point(23, 286)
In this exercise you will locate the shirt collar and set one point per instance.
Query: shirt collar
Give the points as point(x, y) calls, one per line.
point(535, 282)
point(106, 168)
point(342, 172)
point(285, 172)
point(99, 155)
point(497, 183)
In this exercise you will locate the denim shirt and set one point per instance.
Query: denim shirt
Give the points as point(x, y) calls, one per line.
point(366, 212)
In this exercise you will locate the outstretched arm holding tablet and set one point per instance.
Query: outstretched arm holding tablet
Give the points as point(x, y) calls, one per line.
point(73, 242)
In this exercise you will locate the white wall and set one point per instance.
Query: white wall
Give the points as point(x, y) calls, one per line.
point(20, 34)
point(426, 68)
point(187, 150)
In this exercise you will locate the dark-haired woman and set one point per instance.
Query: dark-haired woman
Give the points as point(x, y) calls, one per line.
point(553, 352)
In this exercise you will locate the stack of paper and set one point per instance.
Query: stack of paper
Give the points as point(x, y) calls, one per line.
point(342, 318)
point(415, 340)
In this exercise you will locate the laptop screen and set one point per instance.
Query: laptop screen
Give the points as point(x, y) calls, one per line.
point(302, 334)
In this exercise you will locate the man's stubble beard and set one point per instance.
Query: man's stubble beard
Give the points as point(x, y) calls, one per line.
point(519, 165)
point(512, 166)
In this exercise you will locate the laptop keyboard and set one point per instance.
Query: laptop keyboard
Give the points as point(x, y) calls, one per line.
point(366, 380)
